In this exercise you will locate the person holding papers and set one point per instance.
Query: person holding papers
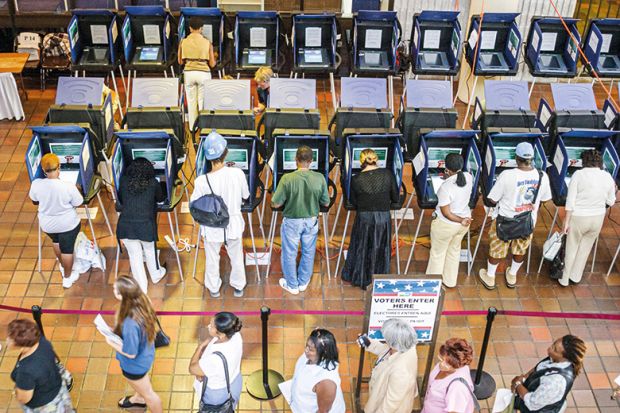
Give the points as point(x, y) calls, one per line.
point(57, 200)
point(135, 324)
point(451, 221)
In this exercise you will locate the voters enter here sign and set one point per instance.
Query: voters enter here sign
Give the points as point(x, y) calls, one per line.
point(414, 300)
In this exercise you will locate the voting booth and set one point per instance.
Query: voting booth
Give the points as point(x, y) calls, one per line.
point(436, 43)
point(212, 27)
point(314, 43)
point(493, 49)
point(76, 151)
point(257, 40)
point(158, 148)
point(549, 49)
point(376, 35)
point(601, 47)
point(429, 168)
point(426, 104)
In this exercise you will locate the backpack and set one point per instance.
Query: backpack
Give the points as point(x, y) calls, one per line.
point(57, 44)
point(210, 210)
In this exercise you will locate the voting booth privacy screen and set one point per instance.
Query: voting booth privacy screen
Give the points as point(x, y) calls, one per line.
point(436, 43)
point(550, 50)
point(376, 35)
point(94, 40)
point(314, 42)
point(601, 46)
point(257, 39)
point(212, 26)
point(147, 38)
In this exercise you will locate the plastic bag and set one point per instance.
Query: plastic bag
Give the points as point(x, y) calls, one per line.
point(552, 246)
point(86, 255)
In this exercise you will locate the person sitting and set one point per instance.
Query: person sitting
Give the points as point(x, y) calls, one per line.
point(262, 77)
point(373, 191)
point(546, 386)
point(139, 194)
point(57, 200)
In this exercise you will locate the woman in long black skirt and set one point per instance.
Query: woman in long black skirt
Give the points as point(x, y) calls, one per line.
point(372, 192)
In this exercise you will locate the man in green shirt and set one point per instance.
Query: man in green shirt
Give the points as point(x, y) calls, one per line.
point(302, 193)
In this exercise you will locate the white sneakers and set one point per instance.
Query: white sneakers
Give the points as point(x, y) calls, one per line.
point(67, 282)
point(286, 288)
point(162, 274)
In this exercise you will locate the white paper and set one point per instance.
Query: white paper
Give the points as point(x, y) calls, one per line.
point(207, 32)
point(99, 33)
point(373, 39)
point(477, 111)
point(114, 33)
point(606, 42)
point(473, 39)
point(432, 38)
point(488, 40)
point(418, 163)
point(258, 37)
point(415, 36)
point(167, 29)
point(545, 114)
point(151, 34)
point(617, 380)
point(405, 213)
point(593, 43)
point(558, 159)
point(184, 207)
point(313, 37)
point(92, 213)
point(286, 388)
point(105, 329)
point(85, 156)
point(488, 159)
point(609, 116)
point(503, 397)
point(548, 41)
point(535, 40)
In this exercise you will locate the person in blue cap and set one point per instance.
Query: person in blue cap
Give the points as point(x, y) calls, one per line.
point(516, 191)
point(231, 185)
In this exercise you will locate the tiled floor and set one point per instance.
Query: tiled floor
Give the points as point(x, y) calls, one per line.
point(516, 344)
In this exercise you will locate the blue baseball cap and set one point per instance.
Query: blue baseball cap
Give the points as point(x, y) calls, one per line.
point(525, 150)
point(214, 146)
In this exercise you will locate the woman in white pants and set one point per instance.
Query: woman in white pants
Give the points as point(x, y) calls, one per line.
point(196, 53)
point(139, 194)
point(451, 221)
point(590, 190)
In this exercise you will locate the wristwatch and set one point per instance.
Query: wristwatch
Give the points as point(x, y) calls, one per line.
point(517, 384)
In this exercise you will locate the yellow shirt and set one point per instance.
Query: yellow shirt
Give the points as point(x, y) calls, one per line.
point(195, 50)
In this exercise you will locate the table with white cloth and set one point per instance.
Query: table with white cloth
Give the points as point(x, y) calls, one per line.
point(10, 103)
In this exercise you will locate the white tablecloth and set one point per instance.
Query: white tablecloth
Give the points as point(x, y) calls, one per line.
point(10, 104)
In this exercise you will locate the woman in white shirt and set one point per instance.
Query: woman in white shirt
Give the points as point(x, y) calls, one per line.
point(590, 190)
point(451, 221)
point(225, 337)
point(57, 201)
point(316, 383)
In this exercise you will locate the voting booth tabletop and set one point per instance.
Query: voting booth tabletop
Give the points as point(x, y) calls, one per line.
point(516, 343)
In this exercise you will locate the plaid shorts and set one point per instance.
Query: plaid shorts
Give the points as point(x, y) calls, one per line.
point(60, 404)
point(498, 249)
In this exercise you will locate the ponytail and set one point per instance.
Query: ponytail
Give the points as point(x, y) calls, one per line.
point(455, 163)
point(460, 179)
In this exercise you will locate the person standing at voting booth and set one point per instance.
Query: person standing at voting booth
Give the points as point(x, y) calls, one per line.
point(373, 191)
point(57, 200)
point(516, 194)
point(262, 77)
point(139, 194)
point(301, 193)
point(590, 190)
point(451, 221)
point(230, 184)
point(196, 53)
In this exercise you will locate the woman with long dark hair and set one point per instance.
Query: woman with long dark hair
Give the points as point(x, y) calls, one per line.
point(139, 194)
point(373, 191)
point(135, 324)
point(451, 221)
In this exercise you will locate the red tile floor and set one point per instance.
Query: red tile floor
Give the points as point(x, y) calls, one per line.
point(516, 343)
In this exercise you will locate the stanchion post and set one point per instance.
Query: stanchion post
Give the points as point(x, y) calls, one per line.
point(263, 384)
point(484, 384)
point(37, 312)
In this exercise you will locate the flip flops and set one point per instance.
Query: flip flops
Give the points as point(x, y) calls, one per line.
point(125, 403)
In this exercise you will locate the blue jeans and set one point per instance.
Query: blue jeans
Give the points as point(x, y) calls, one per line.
point(294, 230)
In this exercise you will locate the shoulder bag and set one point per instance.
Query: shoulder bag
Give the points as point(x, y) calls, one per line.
point(229, 405)
point(161, 338)
point(521, 225)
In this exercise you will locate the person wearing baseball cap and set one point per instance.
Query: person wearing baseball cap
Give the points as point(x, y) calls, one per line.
point(518, 190)
point(231, 185)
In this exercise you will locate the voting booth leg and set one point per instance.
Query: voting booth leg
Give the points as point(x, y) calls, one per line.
point(117, 94)
point(39, 248)
point(613, 261)
point(120, 70)
point(391, 97)
point(176, 223)
point(254, 247)
point(542, 255)
point(92, 230)
point(532, 87)
point(198, 242)
point(484, 222)
point(405, 211)
point(333, 89)
point(262, 229)
point(272, 235)
point(262, 211)
point(263, 384)
point(118, 257)
point(105, 214)
point(397, 246)
point(484, 384)
point(174, 247)
point(594, 255)
point(415, 240)
point(471, 94)
point(344, 234)
point(325, 237)
point(331, 236)
point(468, 252)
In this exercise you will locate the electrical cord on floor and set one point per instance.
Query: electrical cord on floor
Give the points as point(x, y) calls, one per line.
point(183, 244)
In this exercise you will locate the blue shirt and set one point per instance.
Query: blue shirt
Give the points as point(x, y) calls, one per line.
point(135, 343)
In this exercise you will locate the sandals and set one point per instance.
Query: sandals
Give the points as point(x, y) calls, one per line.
point(124, 403)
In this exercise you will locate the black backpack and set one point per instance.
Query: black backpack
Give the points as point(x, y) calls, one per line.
point(210, 210)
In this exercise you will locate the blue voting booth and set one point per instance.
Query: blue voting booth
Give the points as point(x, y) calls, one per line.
point(212, 27)
point(227, 104)
point(429, 166)
point(493, 49)
point(76, 151)
point(314, 43)
point(550, 51)
point(601, 47)
point(257, 40)
point(376, 35)
point(436, 43)
point(158, 148)
point(147, 39)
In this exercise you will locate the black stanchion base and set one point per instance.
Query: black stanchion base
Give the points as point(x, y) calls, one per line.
point(487, 386)
point(257, 389)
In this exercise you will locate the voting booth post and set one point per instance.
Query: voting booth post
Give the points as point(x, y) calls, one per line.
point(156, 147)
point(417, 300)
point(212, 29)
point(436, 44)
point(387, 145)
point(601, 46)
point(429, 167)
point(257, 40)
point(263, 383)
point(75, 150)
point(243, 153)
point(283, 161)
point(484, 383)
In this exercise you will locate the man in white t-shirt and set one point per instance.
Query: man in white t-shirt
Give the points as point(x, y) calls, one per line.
point(513, 194)
point(231, 185)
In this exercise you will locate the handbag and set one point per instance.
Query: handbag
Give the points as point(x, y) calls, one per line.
point(229, 405)
point(552, 246)
point(511, 406)
point(557, 265)
point(65, 375)
point(519, 226)
point(161, 339)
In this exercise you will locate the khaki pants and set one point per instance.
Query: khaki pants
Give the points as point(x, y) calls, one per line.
point(579, 242)
point(445, 250)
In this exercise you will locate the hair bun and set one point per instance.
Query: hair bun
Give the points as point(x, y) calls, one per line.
point(237, 325)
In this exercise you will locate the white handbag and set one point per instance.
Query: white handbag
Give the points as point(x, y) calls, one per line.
point(552, 246)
